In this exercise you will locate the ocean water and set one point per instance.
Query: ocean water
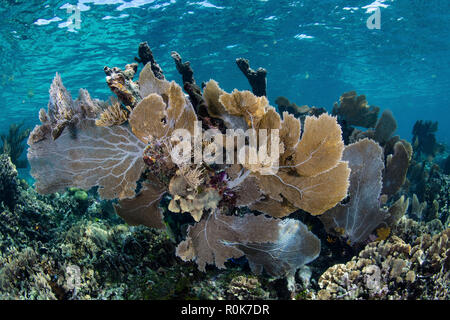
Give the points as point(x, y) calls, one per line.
point(313, 50)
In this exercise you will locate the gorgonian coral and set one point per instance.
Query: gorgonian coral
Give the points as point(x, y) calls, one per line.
point(131, 151)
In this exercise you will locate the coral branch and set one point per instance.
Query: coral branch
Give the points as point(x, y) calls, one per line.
point(278, 246)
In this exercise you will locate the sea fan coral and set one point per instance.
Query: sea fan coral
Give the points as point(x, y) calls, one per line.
point(129, 147)
point(311, 175)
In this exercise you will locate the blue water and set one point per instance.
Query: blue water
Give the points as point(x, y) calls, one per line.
point(313, 50)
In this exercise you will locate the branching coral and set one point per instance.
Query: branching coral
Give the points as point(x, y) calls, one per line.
point(257, 79)
point(278, 246)
point(299, 112)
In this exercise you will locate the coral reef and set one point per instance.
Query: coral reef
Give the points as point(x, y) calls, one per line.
point(447, 166)
point(299, 112)
point(431, 187)
point(354, 110)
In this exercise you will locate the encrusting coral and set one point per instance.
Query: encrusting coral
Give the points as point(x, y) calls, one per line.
point(85, 143)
